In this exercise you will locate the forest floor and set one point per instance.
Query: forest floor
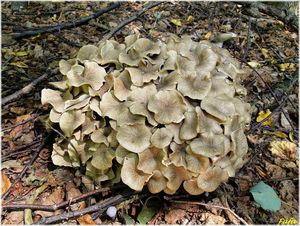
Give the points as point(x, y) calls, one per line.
point(267, 44)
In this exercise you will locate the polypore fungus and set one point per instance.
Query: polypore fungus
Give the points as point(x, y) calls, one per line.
point(153, 114)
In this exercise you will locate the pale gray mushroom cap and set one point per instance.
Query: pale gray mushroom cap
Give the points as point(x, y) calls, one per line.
point(151, 114)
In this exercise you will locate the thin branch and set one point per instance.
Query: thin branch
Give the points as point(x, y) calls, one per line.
point(19, 150)
point(210, 206)
point(68, 25)
point(27, 89)
point(129, 20)
point(20, 123)
point(99, 207)
point(17, 206)
point(294, 178)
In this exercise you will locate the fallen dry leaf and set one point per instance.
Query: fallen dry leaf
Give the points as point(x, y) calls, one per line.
point(244, 185)
point(267, 55)
point(286, 164)
point(12, 165)
point(5, 183)
point(27, 138)
point(254, 139)
point(254, 64)
point(86, 220)
point(19, 189)
point(262, 115)
point(17, 131)
point(14, 218)
point(279, 134)
point(208, 35)
point(209, 219)
point(287, 190)
point(61, 175)
point(174, 215)
point(284, 122)
point(291, 136)
point(283, 149)
point(190, 19)
point(260, 171)
point(17, 110)
point(176, 22)
point(19, 64)
point(275, 171)
point(287, 67)
point(38, 51)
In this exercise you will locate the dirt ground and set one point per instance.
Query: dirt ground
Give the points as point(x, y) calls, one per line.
point(267, 44)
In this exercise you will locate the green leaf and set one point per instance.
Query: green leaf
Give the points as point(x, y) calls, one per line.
point(128, 220)
point(152, 205)
point(266, 197)
point(146, 215)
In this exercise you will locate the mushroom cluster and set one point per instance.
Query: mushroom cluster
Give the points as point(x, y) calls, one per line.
point(159, 114)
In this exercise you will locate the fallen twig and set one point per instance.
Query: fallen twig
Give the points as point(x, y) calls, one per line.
point(210, 206)
point(129, 20)
point(19, 150)
point(27, 89)
point(68, 25)
point(229, 214)
point(17, 206)
point(294, 178)
point(34, 157)
point(99, 207)
point(20, 123)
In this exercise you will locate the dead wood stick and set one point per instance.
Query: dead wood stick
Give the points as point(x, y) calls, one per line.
point(27, 89)
point(17, 206)
point(19, 150)
point(20, 123)
point(129, 20)
point(68, 25)
point(34, 157)
point(19, 154)
point(99, 207)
